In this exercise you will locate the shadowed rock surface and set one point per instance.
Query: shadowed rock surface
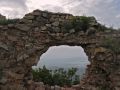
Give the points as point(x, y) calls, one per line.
point(23, 42)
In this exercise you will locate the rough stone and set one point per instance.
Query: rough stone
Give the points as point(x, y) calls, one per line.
point(48, 25)
point(72, 31)
point(43, 28)
point(3, 81)
point(22, 27)
point(57, 88)
point(91, 31)
point(29, 17)
point(4, 46)
point(55, 24)
point(36, 12)
point(11, 25)
point(45, 15)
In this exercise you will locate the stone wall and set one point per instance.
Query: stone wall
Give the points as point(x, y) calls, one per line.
point(41, 86)
point(22, 43)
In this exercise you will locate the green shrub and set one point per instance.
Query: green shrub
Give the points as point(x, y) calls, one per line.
point(103, 88)
point(79, 23)
point(102, 28)
point(77, 80)
point(56, 77)
point(113, 44)
point(8, 21)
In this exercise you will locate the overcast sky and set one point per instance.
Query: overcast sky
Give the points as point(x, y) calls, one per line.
point(63, 56)
point(106, 11)
point(63, 51)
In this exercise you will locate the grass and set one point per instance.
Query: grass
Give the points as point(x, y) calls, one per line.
point(113, 44)
point(8, 21)
point(78, 23)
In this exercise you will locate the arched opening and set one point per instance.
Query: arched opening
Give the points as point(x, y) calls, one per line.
point(65, 57)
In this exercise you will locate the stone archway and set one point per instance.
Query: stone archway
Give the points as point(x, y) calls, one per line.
point(22, 43)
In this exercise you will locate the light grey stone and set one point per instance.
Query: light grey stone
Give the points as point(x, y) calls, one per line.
point(4, 46)
point(55, 23)
point(23, 27)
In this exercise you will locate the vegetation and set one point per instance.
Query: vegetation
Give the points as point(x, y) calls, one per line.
point(56, 77)
point(113, 44)
point(104, 28)
point(103, 88)
point(78, 23)
point(8, 21)
point(82, 23)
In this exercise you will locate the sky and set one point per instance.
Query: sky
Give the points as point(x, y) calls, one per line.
point(106, 11)
point(64, 51)
point(64, 56)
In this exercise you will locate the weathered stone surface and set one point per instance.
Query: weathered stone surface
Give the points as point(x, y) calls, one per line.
point(37, 13)
point(45, 14)
point(48, 25)
point(57, 87)
point(3, 81)
point(55, 24)
point(11, 25)
point(43, 28)
point(22, 27)
point(4, 46)
point(72, 31)
point(91, 31)
point(29, 17)
point(22, 44)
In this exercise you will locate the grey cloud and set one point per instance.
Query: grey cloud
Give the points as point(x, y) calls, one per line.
point(53, 8)
point(13, 3)
point(13, 8)
point(104, 10)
